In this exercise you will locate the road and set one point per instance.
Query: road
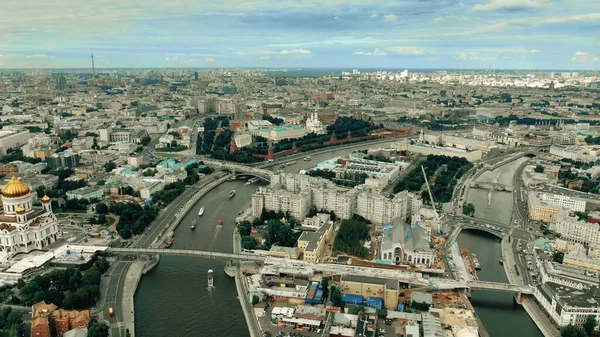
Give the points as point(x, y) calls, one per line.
point(115, 283)
point(113, 298)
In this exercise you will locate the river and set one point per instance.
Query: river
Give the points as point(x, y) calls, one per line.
point(499, 312)
point(173, 298)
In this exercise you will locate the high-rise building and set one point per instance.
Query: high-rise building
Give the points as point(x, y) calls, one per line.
point(61, 83)
point(196, 76)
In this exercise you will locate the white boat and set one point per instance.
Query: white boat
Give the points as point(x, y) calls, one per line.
point(253, 180)
point(193, 226)
point(307, 158)
point(201, 211)
point(231, 194)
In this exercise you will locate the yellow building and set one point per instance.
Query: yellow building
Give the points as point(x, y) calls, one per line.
point(312, 244)
point(542, 213)
point(387, 289)
point(283, 252)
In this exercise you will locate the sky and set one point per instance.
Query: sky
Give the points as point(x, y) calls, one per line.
point(469, 34)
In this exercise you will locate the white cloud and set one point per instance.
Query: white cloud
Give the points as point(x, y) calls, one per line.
point(240, 53)
point(390, 17)
point(336, 17)
point(594, 17)
point(596, 59)
point(471, 56)
point(209, 59)
point(374, 15)
point(580, 57)
point(171, 59)
point(295, 52)
point(188, 62)
point(36, 56)
point(408, 50)
point(494, 5)
point(1, 55)
point(516, 51)
point(376, 52)
point(264, 57)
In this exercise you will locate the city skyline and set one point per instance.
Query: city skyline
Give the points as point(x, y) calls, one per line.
point(474, 34)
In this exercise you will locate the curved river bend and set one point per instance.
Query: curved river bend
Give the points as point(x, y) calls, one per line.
point(173, 299)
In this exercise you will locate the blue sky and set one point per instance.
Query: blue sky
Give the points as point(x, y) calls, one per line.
point(507, 34)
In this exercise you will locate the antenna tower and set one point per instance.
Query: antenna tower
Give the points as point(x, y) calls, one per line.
point(93, 67)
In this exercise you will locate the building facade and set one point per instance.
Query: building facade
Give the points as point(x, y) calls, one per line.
point(23, 227)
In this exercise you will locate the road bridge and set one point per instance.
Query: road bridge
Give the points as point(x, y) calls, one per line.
point(240, 169)
point(494, 231)
point(469, 219)
point(491, 186)
point(497, 286)
point(187, 252)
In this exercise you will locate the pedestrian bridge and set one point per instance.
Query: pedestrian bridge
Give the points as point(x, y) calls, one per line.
point(187, 252)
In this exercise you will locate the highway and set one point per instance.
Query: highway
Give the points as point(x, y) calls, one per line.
point(113, 298)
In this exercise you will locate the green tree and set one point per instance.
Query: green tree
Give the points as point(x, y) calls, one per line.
point(98, 329)
point(469, 209)
point(572, 331)
point(109, 166)
point(101, 208)
point(336, 297)
point(558, 257)
point(539, 169)
point(590, 324)
point(255, 299)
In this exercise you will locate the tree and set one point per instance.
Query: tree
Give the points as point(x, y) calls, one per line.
point(101, 208)
point(98, 329)
point(109, 166)
point(469, 209)
point(590, 324)
point(539, 169)
point(558, 257)
point(255, 299)
point(336, 297)
point(572, 331)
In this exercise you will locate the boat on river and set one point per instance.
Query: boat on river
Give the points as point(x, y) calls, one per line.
point(231, 194)
point(220, 223)
point(201, 211)
point(193, 226)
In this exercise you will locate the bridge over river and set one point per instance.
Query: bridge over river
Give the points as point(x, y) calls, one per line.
point(279, 265)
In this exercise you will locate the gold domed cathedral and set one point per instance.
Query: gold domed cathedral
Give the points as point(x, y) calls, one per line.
point(24, 228)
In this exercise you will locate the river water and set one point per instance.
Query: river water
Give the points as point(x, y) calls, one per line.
point(499, 312)
point(173, 299)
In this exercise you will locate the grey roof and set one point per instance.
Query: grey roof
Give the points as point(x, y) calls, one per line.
point(411, 238)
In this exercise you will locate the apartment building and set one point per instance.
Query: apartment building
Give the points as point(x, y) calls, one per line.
point(546, 206)
point(579, 231)
point(380, 209)
point(276, 200)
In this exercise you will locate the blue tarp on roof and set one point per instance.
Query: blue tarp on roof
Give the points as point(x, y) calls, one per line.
point(375, 302)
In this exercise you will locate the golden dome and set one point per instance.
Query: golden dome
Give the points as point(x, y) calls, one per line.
point(45, 199)
point(20, 209)
point(15, 188)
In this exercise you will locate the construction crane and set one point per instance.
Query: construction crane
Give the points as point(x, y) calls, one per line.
point(437, 216)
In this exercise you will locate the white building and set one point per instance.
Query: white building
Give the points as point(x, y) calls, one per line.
point(571, 229)
point(314, 125)
point(342, 203)
point(276, 200)
point(22, 227)
point(380, 209)
point(405, 244)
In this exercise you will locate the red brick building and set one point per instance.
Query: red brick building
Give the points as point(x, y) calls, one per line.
point(48, 321)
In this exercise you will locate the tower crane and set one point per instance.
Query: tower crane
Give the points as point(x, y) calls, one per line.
point(437, 216)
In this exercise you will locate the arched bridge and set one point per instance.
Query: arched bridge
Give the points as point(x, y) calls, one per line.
point(241, 170)
point(496, 231)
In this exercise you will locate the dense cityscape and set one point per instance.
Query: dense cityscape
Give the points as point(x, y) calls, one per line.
point(277, 168)
point(348, 198)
